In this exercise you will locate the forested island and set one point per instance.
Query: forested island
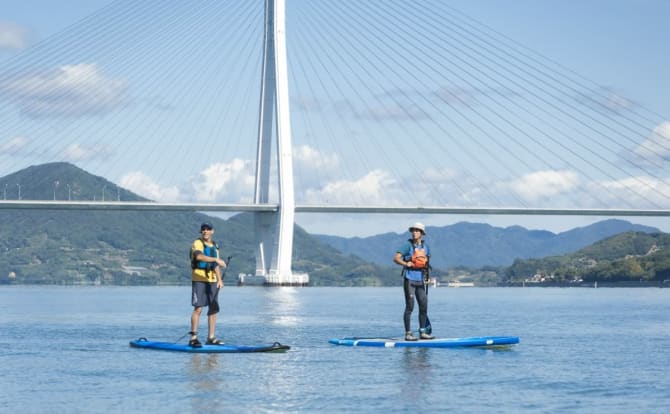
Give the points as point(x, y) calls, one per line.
point(68, 247)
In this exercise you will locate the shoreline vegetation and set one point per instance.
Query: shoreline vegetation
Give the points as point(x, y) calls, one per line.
point(441, 285)
point(632, 259)
point(138, 248)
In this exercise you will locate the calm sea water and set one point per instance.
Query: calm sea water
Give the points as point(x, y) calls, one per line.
point(65, 350)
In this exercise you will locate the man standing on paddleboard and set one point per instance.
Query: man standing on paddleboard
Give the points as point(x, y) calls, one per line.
point(206, 281)
point(413, 256)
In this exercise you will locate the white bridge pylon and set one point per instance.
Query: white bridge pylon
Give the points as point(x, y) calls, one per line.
point(274, 230)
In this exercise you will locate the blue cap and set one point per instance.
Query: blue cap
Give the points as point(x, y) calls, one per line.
point(206, 225)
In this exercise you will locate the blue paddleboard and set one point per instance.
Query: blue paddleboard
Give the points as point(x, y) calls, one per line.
point(207, 349)
point(478, 341)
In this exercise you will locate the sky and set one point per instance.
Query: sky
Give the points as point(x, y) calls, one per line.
point(621, 44)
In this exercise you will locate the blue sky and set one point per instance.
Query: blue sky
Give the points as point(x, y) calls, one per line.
point(615, 42)
point(618, 44)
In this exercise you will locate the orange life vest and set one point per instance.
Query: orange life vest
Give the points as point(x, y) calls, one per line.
point(419, 258)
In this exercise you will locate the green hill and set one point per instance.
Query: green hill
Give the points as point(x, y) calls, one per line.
point(626, 257)
point(138, 247)
point(62, 181)
point(150, 247)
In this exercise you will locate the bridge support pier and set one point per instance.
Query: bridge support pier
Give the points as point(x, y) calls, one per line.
point(274, 231)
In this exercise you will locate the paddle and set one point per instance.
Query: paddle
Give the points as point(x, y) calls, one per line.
point(214, 306)
point(429, 328)
point(226, 268)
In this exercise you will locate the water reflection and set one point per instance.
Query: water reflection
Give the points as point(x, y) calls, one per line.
point(417, 364)
point(218, 380)
point(283, 306)
point(203, 363)
point(206, 384)
point(417, 360)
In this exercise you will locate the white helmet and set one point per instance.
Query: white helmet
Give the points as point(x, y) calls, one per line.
point(419, 226)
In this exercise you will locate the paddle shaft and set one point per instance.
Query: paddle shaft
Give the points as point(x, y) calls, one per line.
point(426, 281)
point(225, 269)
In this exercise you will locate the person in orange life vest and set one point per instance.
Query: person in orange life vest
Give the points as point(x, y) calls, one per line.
point(206, 281)
point(413, 256)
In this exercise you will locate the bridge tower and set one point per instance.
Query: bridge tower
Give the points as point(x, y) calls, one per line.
point(274, 230)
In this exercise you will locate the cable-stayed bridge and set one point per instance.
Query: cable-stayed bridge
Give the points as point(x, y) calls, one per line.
point(394, 108)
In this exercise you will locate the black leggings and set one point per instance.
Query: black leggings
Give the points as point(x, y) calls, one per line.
point(418, 290)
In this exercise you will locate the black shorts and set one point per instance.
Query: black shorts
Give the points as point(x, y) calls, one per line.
point(205, 294)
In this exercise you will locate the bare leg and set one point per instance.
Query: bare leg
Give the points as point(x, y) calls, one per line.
point(195, 320)
point(211, 326)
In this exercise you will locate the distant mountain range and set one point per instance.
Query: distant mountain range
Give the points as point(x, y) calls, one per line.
point(475, 245)
point(140, 247)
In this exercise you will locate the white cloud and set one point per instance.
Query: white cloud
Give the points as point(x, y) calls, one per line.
point(312, 167)
point(69, 91)
point(12, 36)
point(78, 152)
point(539, 185)
point(440, 186)
point(225, 181)
point(656, 147)
point(605, 98)
point(311, 158)
point(637, 192)
point(375, 188)
point(617, 102)
point(13, 146)
point(221, 182)
point(142, 184)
